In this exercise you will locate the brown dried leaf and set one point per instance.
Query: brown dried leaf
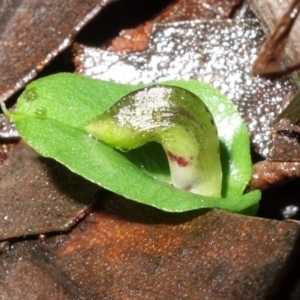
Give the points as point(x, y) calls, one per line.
point(285, 142)
point(5, 149)
point(269, 12)
point(290, 111)
point(33, 32)
point(268, 62)
point(137, 39)
point(39, 195)
point(8, 137)
point(284, 38)
point(267, 174)
point(218, 52)
point(129, 251)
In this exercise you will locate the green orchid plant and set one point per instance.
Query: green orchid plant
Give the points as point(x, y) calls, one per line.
point(177, 146)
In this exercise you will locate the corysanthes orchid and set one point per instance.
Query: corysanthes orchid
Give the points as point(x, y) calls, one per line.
point(179, 121)
point(57, 115)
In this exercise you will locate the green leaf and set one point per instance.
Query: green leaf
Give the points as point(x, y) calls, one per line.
point(51, 115)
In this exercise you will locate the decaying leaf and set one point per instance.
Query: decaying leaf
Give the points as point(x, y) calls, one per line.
point(33, 32)
point(286, 142)
point(290, 111)
point(39, 195)
point(129, 251)
point(280, 21)
point(269, 13)
point(268, 62)
point(137, 39)
point(218, 52)
point(267, 174)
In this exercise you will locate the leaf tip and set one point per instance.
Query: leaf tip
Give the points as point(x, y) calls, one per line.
point(6, 112)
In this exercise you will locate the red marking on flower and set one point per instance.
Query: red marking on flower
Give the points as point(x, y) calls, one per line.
point(181, 162)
